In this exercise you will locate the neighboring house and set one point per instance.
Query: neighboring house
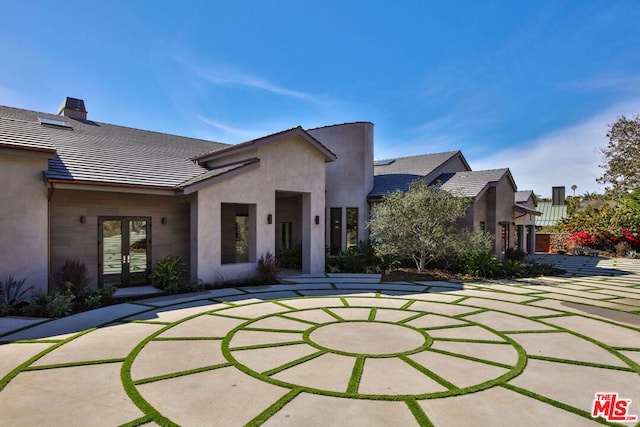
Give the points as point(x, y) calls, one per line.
point(552, 211)
point(119, 199)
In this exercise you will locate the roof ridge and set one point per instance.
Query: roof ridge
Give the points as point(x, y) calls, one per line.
point(421, 155)
point(59, 117)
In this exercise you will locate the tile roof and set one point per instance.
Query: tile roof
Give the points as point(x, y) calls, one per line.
point(470, 183)
point(385, 184)
point(21, 134)
point(523, 196)
point(422, 164)
point(551, 213)
point(98, 152)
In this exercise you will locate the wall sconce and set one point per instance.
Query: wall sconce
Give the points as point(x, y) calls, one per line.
point(163, 220)
point(83, 219)
point(269, 219)
point(317, 219)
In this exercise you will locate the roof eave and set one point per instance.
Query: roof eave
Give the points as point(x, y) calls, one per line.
point(196, 186)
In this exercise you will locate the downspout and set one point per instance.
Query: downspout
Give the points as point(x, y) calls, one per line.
point(50, 190)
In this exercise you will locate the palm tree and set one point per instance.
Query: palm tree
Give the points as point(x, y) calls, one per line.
point(573, 187)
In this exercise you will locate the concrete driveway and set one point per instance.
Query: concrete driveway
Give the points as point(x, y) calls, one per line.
point(343, 350)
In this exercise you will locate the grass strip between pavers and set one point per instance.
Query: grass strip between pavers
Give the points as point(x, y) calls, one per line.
point(471, 358)
point(581, 363)
point(556, 403)
point(181, 373)
point(356, 375)
point(188, 339)
point(332, 314)
point(372, 314)
point(73, 364)
point(129, 385)
point(418, 413)
point(268, 345)
point(13, 373)
point(429, 373)
point(293, 363)
point(271, 410)
point(138, 422)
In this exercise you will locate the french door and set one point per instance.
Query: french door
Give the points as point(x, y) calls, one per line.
point(124, 245)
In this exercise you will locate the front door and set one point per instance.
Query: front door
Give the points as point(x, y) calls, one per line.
point(124, 246)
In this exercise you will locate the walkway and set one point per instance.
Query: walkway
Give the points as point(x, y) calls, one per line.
point(343, 350)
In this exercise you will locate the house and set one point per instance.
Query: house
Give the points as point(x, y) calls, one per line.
point(491, 193)
point(119, 199)
point(554, 210)
point(525, 216)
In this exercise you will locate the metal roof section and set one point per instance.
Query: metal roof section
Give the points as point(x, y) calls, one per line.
point(24, 135)
point(551, 213)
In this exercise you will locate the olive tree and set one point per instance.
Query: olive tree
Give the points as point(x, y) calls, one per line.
point(419, 224)
point(621, 157)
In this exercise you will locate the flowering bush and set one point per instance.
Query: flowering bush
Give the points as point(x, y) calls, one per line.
point(581, 239)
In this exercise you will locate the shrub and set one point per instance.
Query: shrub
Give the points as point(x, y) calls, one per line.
point(515, 254)
point(12, 294)
point(169, 272)
point(581, 239)
point(482, 264)
point(74, 272)
point(513, 268)
point(291, 258)
point(267, 268)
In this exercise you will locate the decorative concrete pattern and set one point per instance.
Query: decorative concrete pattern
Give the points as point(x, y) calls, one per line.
point(338, 350)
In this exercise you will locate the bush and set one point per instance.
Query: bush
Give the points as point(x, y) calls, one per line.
point(291, 258)
point(267, 268)
point(513, 268)
point(360, 259)
point(483, 264)
point(12, 294)
point(169, 273)
point(515, 254)
point(75, 273)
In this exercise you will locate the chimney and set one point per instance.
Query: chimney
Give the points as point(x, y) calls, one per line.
point(74, 108)
point(558, 198)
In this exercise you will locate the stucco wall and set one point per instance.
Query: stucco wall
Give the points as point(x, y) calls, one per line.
point(350, 178)
point(290, 165)
point(23, 219)
point(70, 239)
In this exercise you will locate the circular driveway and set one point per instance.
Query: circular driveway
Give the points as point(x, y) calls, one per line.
point(339, 350)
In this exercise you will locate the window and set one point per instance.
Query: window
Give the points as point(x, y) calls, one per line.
point(286, 241)
point(336, 231)
point(238, 227)
point(352, 227)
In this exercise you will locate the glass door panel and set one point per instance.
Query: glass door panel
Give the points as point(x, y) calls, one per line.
point(112, 256)
point(125, 251)
point(137, 257)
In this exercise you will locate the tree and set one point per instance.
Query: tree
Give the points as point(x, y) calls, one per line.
point(574, 188)
point(419, 224)
point(621, 157)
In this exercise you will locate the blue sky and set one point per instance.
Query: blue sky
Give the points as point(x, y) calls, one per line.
point(529, 85)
